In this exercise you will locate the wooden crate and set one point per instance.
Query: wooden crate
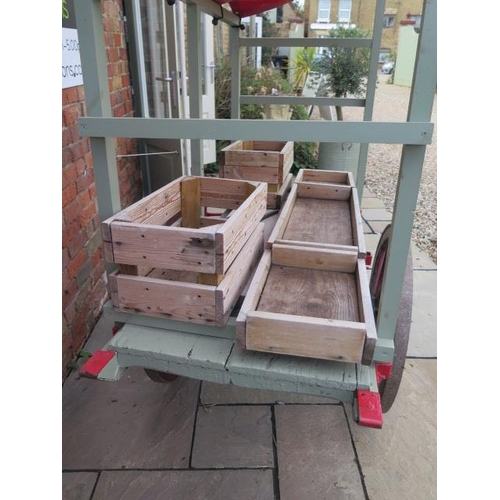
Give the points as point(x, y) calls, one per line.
point(309, 302)
point(325, 176)
point(261, 161)
point(167, 229)
point(180, 296)
point(321, 215)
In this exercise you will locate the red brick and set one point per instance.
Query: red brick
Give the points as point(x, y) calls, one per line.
point(68, 194)
point(71, 212)
point(81, 166)
point(71, 114)
point(66, 137)
point(84, 182)
point(69, 174)
point(119, 110)
point(69, 292)
point(77, 263)
point(81, 93)
point(69, 231)
point(89, 161)
point(76, 243)
point(83, 199)
point(117, 40)
point(70, 95)
point(65, 258)
point(87, 214)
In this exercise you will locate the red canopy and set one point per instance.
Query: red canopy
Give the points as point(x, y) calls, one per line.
point(244, 8)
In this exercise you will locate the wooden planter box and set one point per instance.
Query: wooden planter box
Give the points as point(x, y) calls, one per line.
point(167, 228)
point(176, 263)
point(321, 215)
point(309, 302)
point(260, 161)
point(180, 296)
point(325, 176)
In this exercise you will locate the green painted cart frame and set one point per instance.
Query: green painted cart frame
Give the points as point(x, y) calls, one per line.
point(209, 353)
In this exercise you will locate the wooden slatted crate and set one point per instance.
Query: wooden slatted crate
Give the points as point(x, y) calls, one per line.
point(260, 161)
point(176, 263)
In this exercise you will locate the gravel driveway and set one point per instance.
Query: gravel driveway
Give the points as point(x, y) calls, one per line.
point(391, 104)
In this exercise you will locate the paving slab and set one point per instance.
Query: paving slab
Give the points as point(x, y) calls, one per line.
point(367, 193)
point(371, 202)
point(376, 214)
point(315, 454)
point(366, 228)
point(399, 461)
point(233, 436)
point(379, 226)
point(217, 394)
point(423, 332)
point(78, 485)
point(186, 485)
point(371, 242)
point(132, 423)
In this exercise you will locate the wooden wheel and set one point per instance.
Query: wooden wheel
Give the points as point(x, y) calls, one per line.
point(389, 388)
point(161, 377)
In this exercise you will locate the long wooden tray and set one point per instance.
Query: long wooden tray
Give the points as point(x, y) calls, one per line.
point(322, 215)
point(309, 302)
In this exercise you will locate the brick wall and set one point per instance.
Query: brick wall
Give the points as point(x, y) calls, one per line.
point(83, 276)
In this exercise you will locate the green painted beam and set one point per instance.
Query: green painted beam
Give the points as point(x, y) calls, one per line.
point(370, 90)
point(302, 101)
point(97, 100)
point(412, 160)
point(296, 130)
point(305, 42)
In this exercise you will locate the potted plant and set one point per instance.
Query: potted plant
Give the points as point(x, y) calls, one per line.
point(345, 69)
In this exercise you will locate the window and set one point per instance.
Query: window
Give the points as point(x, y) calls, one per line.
point(384, 55)
point(389, 21)
point(323, 11)
point(279, 14)
point(417, 19)
point(345, 11)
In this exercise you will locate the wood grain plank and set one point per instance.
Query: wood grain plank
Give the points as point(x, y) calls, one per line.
point(163, 298)
point(252, 297)
point(357, 224)
point(312, 293)
point(232, 236)
point(283, 219)
point(320, 221)
point(257, 173)
point(323, 191)
point(366, 312)
point(312, 244)
point(305, 336)
point(325, 176)
point(156, 208)
point(164, 247)
point(190, 203)
point(240, 271)
point(315, 258)
point(223, 193)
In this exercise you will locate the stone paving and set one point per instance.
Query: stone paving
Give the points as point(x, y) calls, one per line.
point(187, 440)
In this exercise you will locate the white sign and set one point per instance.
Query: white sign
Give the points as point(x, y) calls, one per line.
point(71, 64)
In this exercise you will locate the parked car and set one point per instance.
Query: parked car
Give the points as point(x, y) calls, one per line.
point(387, 67)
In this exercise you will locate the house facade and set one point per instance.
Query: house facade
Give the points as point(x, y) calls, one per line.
point(320, 16)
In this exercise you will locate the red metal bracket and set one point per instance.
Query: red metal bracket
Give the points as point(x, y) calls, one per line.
point(368, 259)
point(96, 363)
point(383, 371)
point(369, 409)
